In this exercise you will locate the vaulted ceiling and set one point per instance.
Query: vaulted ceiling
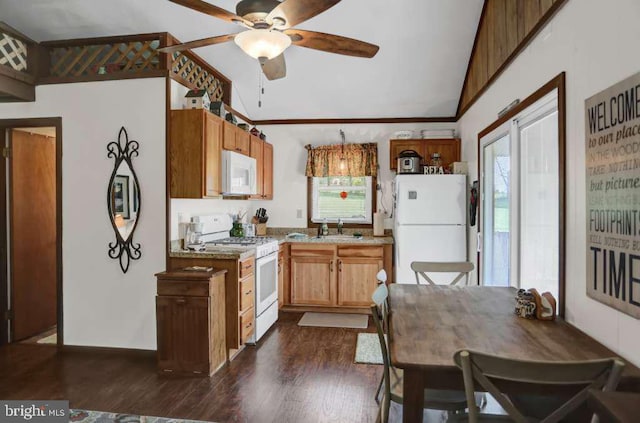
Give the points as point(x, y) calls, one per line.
point(418, 72)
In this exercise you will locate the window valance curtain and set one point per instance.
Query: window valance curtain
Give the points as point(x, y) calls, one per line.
point(342, 160)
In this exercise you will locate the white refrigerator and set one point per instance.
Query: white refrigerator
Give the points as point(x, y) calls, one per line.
point(430, 223)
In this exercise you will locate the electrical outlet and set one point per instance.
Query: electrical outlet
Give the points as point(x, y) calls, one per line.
point(378, 187)
point(299, 213)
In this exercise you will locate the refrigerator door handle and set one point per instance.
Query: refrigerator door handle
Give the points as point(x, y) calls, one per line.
point(479, 242)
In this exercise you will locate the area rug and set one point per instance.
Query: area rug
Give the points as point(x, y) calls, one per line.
point(89, 416)
point(51, 339)
point(335, 320)
point(368, 349)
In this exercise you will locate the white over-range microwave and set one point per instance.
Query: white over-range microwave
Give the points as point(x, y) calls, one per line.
point(238, 174)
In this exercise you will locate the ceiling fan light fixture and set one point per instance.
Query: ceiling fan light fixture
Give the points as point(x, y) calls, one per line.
point(259, 43)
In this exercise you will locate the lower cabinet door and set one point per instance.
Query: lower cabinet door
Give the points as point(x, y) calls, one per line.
point(183, 333)
point(313, 281)
point(357, 280)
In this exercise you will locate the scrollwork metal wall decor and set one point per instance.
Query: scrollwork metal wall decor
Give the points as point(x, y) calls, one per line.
point(119, 197)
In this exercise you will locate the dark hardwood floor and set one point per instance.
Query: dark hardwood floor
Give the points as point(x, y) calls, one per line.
point(295, 374)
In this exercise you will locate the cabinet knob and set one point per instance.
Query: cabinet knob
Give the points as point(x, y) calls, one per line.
point(339, 265)
point(331, 266)
point(248, 292)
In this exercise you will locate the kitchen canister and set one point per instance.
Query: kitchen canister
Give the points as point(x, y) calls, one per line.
point(378, 224)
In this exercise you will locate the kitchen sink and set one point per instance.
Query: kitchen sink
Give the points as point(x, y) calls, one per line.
point(337, 237)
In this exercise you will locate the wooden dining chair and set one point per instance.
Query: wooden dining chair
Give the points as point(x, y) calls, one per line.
point(452, 401)
point(422, 268)
point(484, 368)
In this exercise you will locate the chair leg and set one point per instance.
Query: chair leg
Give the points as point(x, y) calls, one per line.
point(378, 390)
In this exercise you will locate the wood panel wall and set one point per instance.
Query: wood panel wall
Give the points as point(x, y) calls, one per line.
point(505, 29)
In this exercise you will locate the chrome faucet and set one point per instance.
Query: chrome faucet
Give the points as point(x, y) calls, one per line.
point(340, 226)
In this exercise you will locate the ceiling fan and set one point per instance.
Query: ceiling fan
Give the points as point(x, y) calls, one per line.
point(270, 31)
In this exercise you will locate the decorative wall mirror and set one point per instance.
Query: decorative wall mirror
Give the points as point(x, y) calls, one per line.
point(123, 200)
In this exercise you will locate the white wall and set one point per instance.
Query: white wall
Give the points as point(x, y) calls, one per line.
point(103, 306)
point(290, 158)
point(596, 44)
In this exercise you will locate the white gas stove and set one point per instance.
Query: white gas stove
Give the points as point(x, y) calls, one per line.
point(215, 235)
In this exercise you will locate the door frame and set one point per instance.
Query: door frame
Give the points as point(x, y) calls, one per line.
point(557, 83)
point(7, 124)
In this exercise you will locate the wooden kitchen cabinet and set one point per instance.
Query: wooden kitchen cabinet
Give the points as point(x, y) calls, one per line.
point(267, 178)
point(449, 149)
point(334, 275)
point(357, 280)
point(195, 153)
point(236, 139)
point(262, 151)
point(313, 274)
point(191, 326)
point(239, 286)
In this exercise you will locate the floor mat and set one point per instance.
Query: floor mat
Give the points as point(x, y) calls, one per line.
point(368, 349)
point(335, 320)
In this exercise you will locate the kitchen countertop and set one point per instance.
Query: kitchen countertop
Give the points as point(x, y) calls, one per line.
point(223, 253)
point(219, 254)
point(332, 239)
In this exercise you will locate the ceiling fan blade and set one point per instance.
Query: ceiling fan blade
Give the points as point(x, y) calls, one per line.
point(294, 12)
point(331, 43)
point(275, 68)
point(198, 43)
point(211, 10)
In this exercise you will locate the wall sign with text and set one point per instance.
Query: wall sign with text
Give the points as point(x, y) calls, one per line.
point(613, 196)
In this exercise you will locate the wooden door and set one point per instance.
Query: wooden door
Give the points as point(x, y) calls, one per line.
point(312, 281)
point(267, 155)
point(449, 150)
point(397, 146)
point(229, 138)
point(256, 153)
point(357, 280)
point(184, 328)
point(243, 142)
point(33, 233)
point(212, 155)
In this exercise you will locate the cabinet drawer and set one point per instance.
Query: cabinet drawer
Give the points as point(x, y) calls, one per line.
point(200, 288)
point(246, 325)
point(311, 250)
point(247, 294)
point(360, 251)
point(247, 267)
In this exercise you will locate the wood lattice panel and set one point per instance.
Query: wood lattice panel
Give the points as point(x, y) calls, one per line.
point(127, 57)
point(187, 69)
point(13, 53)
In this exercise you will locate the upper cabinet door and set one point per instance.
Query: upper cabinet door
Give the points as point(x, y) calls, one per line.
point(243, 142)
point(267, 155)
point(229, 138)
point(213, 156)
point(256, 153)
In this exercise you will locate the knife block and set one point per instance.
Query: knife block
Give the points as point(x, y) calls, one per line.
point(261, 228)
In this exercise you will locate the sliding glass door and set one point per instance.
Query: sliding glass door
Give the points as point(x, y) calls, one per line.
point(496, 211)
point(520, 185)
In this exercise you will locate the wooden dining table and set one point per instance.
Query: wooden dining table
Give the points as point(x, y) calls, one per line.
point(428, 324)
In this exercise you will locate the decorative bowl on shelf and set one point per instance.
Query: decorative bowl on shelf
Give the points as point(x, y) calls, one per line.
point(402, 135)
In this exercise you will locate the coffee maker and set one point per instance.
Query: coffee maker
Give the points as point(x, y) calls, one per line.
point(193, 236)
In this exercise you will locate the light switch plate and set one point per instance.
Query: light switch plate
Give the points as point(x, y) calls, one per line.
point(299, 213)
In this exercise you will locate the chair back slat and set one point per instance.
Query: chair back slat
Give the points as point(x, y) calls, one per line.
point(485, 368)
point(422, 268)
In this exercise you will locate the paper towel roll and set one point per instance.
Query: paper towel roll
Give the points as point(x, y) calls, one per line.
point(378, 224)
